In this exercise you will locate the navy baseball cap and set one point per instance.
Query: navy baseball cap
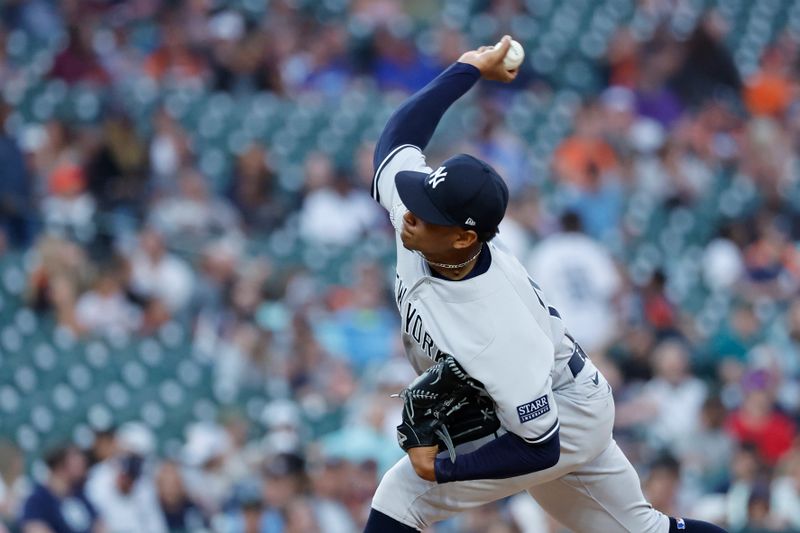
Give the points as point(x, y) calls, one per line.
point(464, 192)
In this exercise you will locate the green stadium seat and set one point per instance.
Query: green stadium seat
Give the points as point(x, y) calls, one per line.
point(98, 414)
point(80, 378)
point(64, 397)
point(42, 419)
point(189, 373)
point(153, 414)
point(9, 399)
point(171, 393)
point(134, 375)
point(150, 352)
point(27, 438)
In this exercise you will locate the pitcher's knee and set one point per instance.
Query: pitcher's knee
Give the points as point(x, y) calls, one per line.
point(654, 522)
point(397, 491)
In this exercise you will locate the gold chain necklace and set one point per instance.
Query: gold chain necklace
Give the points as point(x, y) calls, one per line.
point(454, 267)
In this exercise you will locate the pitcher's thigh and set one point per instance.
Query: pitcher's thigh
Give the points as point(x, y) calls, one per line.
point(406, 497)
point(603, 496)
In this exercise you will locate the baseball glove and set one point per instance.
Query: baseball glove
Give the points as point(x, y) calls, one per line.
point(444, 406)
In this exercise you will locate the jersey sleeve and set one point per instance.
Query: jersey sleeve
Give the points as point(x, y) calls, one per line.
point(403, 157)
point(516, 371)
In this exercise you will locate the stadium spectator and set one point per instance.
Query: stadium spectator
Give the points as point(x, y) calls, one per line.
point(758, 422)
point(78, 62)
point(723, 265)
point(785, 492)
point(523, 223)
point(122, 488)
point(325, 67)
point(672, 387)
point(69, 209)
point(770, 258)
point(180, 512)
point(328, 490)
point(360, 325)
point(159, 275)
point(247, 513)
point(59, 505)
point(707, 451)
point(585, 155)
point(283, 482)
point(194, 217)
point(169, 152)
point(582, 281)
point(769, 91)
point(658, 310)
point(207, 469)
point(16, 189)
point(255, 193)
point(661, 486)
point(398, 64)
point(116, 173)
point(747, 471)
point(104, 445)
point(243, 60)
point(589, 168)
point(655, 99)
point(708, 70)
point(12, 482)
point(105, 308)
point(495, 144)
point(760, 518)
point(329, 193)
point(40, 17)
point(174, 61)
point(738, 336)
point(61, 271)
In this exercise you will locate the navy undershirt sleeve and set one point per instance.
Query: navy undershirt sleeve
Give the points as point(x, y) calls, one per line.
point(506, 456)
point(416, 119)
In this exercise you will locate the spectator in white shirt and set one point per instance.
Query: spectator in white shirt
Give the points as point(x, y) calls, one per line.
point(158, 274)
point(673, 389)
point(194, 216)
point(105, 308)
point(333, 211)
point(123, 487)
point(580, 278)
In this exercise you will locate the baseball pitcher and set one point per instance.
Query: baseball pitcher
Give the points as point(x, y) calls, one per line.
point(506, 400)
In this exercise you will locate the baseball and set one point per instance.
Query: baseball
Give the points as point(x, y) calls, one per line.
point(514, 56)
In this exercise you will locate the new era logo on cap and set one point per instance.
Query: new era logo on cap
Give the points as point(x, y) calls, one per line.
point(464, 192)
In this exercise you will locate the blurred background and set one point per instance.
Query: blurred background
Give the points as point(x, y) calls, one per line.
point(197, 331)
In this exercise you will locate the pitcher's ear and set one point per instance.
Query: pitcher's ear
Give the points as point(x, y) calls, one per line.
point(464, 239)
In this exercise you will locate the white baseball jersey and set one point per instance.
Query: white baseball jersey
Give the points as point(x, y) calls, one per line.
point(497, 325)
point(501, 329)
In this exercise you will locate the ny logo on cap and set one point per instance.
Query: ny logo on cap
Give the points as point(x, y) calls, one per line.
point(437, 177)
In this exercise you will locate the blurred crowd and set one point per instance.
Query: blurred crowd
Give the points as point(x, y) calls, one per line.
point(664, 227)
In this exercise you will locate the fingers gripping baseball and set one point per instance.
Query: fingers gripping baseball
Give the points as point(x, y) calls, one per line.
point(489, 60)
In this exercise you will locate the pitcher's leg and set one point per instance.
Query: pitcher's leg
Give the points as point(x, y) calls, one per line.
point(409, 499)
point(602, 496)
